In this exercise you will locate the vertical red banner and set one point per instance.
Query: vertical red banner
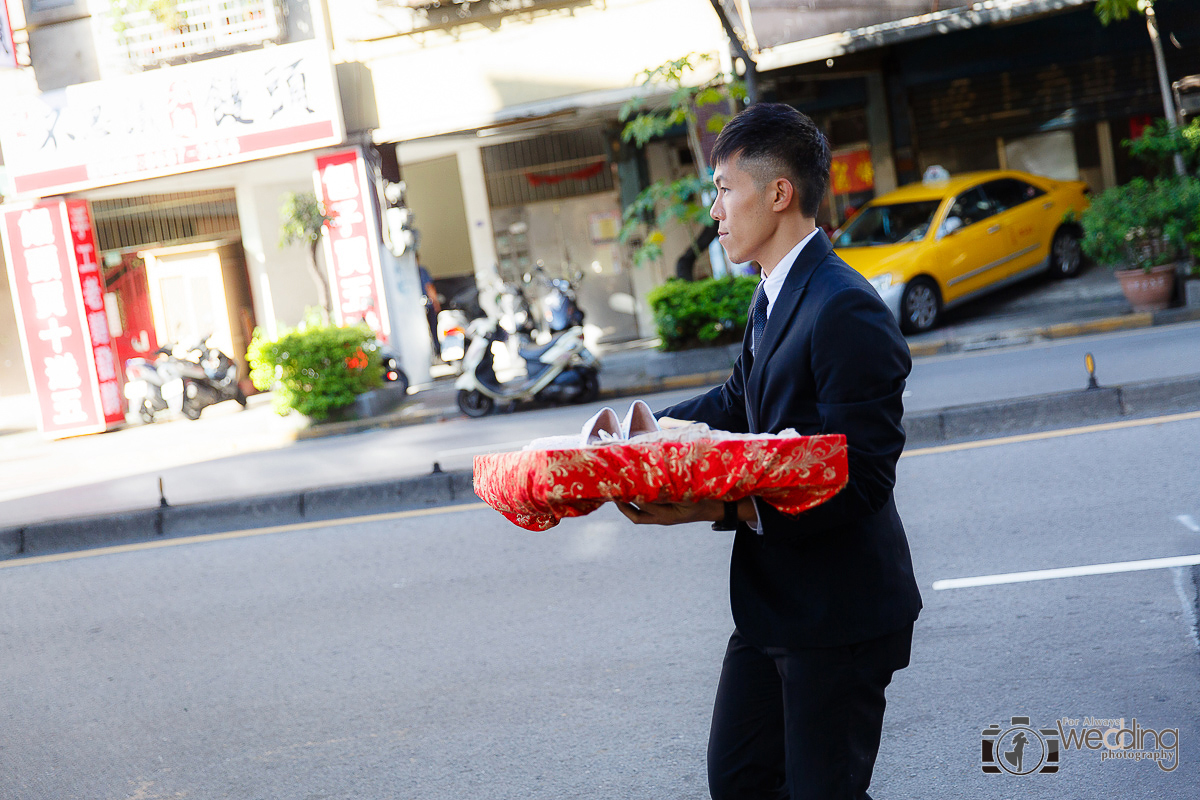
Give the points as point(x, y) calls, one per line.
point(91, 283)
point(352, 243)
point(47, 274)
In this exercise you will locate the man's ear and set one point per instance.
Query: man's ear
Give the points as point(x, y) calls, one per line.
point(783, 194)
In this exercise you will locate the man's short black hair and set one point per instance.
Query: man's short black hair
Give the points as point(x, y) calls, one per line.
point(774, 140)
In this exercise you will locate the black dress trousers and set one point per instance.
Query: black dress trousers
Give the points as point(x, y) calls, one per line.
point(795, 724)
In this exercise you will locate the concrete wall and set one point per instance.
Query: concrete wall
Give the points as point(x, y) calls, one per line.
point(436, 198)
point(280, 280)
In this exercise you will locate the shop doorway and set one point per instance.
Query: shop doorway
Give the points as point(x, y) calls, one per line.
point(198, 291)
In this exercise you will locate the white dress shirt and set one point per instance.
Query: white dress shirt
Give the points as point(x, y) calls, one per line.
point(773, 283)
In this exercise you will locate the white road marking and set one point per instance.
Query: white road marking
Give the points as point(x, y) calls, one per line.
point(1066, 572)
point(1189, 523)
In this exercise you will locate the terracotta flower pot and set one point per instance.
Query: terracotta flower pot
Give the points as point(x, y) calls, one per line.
point(1148, 291)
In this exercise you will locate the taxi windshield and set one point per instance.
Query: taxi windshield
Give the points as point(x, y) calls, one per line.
point(888, 224)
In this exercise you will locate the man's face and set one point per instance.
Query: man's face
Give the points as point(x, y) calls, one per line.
point(742, 210)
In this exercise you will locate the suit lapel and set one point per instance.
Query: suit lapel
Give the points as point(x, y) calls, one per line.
point(782, 312)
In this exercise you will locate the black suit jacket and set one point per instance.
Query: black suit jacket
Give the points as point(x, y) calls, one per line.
point(832, 360)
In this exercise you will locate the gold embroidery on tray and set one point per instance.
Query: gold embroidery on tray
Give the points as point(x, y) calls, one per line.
point(536, 488)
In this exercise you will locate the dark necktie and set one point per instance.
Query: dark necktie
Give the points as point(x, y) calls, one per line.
point(758, 319)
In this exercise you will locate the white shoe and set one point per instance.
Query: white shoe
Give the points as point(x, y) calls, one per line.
point(639, 420)
point(602, 428)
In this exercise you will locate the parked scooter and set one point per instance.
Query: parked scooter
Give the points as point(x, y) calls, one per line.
point(393, 374)
point(181, 381)
point(209, 377)
point(559, 305)
point(562, 371)
point(145, 382)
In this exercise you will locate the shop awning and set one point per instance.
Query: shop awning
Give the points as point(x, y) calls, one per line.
point(785, 34)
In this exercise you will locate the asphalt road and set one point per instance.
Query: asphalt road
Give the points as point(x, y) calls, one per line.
point(456, 656)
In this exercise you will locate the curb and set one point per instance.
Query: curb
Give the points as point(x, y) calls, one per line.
point(957, 423)
point(167, 522)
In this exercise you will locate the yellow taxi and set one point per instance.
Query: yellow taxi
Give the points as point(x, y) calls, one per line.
point(931, 245)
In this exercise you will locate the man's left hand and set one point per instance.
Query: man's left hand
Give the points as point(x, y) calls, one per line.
point(673, 513)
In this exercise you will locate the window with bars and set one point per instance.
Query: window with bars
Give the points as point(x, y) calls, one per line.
point(192, 28)
point(126, 223)
point(551, 166)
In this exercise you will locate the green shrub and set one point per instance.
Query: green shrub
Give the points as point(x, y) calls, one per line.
point(702, 313)
point(316, 368)
point(1159, 143)
point(1142, 224)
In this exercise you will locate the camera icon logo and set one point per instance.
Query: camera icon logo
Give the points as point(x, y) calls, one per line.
point(1019, 749)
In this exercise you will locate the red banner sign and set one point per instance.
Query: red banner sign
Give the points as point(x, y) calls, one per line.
point(351, 242)
point(58, 293)
point(852, 172)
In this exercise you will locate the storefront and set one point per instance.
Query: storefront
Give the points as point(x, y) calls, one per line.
point(183, 172)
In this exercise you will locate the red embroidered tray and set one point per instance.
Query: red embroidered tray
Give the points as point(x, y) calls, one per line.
point(536, 488)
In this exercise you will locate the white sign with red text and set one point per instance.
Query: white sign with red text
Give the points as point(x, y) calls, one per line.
point(221, 111)
point(352, 243)
point(58, 293)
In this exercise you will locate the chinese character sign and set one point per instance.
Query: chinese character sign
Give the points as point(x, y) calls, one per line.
point(852, 172)
point(91, 282)
point(351, 243)
point(58, 292)
point(221, 111)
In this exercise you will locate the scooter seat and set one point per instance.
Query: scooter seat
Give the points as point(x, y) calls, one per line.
point(533, 352)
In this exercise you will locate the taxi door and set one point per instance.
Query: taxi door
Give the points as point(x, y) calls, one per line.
point(971, 243)
point(1026, 213)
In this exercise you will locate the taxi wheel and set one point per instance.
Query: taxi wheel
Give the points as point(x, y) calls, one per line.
point(920, 306)
point(1065, 254)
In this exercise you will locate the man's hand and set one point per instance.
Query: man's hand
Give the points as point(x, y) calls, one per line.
point(673, 513)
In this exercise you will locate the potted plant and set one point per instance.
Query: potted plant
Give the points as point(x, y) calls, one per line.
point(1140, 230)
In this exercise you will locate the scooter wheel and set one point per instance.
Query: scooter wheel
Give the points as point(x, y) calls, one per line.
point(147, 414)
point(591, 388)
point(475, 403)
point(191, 412)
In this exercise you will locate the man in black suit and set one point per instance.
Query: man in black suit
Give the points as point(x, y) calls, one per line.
point(823, 601)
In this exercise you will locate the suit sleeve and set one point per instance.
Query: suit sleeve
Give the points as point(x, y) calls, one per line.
point(859, 363)
point(721, 408)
